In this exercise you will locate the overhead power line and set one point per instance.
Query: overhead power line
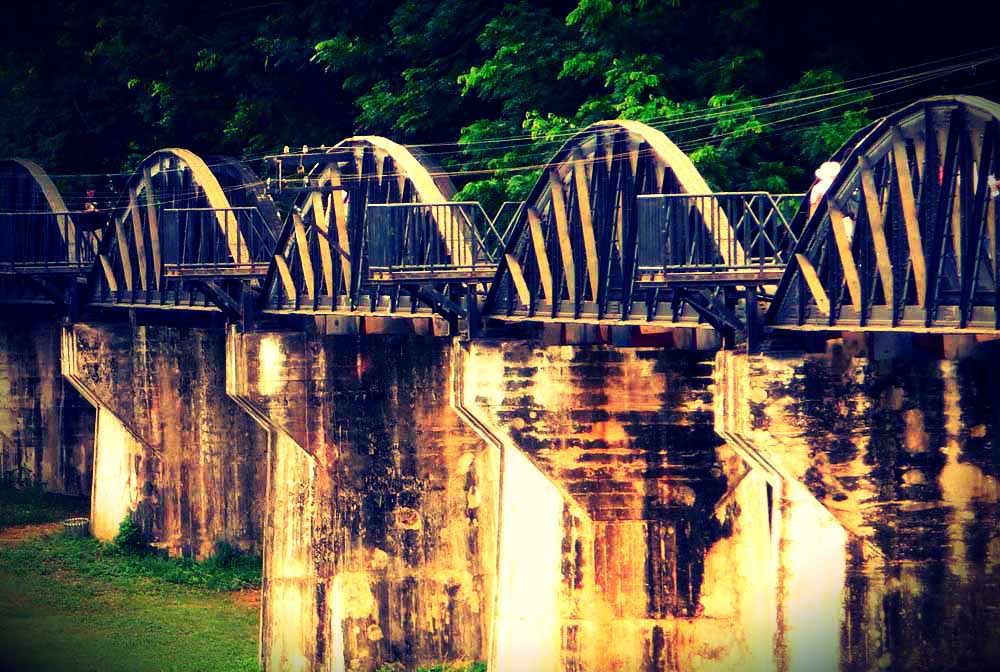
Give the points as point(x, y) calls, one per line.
point(704, 118)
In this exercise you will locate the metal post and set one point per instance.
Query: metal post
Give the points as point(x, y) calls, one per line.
point(752, 322)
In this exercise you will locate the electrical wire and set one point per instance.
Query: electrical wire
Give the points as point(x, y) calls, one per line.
point(712, 116)
point(681, 121)
point(780, 125)
point(714, 111)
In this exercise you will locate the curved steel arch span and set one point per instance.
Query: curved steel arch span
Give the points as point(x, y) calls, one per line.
point(178, 221)
point(31, 201)
point(906, 237)
point(589, 247)
point(321, 259)
point(243, 188)
point(41, 181)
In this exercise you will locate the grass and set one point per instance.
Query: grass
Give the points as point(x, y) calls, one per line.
point(75, 604)
point(478, 666)
point(29, 506)
point(79, 604)
point(91, 558)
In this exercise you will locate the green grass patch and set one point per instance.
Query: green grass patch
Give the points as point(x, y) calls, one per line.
point(29, 506)
point(88, 557)
point(76, 604)
point(478, 666)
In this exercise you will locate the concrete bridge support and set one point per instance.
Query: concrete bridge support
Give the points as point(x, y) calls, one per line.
point(171, 449)
point(631, 537)
point(46, 427)
point(902, 449)
point(381, 511)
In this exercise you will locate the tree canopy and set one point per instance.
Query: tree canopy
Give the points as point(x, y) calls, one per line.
point(756, 91)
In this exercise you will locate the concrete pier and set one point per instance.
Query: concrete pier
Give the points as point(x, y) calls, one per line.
point(900, 446)
point(630, 537)
point(46, 427)
point(171, 449)
point(381, 508)
point(421, 499)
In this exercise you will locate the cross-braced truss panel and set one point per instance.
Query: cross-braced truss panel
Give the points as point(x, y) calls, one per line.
point(322, 262)
point(179, 235)
point(591, 246)
point(905, 238)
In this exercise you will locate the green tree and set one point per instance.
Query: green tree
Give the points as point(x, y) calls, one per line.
point(492, 88)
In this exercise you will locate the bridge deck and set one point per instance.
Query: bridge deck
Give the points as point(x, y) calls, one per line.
point(748, 276)
point(44, 269)
point(247, 270)
point(479, 274)
point(598, 240)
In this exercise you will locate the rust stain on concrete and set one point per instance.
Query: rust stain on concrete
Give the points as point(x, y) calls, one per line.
point(631, 537)
point(381, 513)
point(183, 456)
point(901, 449)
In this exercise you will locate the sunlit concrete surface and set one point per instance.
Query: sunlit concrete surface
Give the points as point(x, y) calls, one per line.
point(117, 476)
point(811, 559)
point(196, 460)
point(381, 516)
point(897, 438)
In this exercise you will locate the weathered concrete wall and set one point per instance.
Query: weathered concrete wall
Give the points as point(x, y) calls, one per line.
point(631, 538)
point(187, 458)
point(46, 427)
point(904, 454)
point(811, 564)
point(118, 481)
point(382, 502)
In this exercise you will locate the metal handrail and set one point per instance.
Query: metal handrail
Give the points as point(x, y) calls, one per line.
point(723, 231)
point(198, 238)
point(46, 240)
point(430, 236)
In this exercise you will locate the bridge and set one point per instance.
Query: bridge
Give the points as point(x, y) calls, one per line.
point(621, 230)
point(456, 436)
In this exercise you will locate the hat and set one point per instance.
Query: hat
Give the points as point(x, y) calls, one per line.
point(828, 170)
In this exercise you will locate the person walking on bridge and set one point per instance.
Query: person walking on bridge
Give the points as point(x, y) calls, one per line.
point(825, 176)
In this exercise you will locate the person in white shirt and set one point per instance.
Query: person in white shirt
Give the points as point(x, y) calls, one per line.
point(825, 175)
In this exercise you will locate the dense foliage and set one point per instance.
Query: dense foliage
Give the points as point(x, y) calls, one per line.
point(757, 91)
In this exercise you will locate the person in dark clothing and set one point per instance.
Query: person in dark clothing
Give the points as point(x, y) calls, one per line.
point(93, 217)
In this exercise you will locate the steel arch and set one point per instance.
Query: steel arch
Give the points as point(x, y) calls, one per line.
point(181, 221)
point(320, 261)
point(37, 191)
point(902, 242)
point(573, 252)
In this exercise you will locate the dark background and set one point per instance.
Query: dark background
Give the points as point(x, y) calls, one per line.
point(92, 87)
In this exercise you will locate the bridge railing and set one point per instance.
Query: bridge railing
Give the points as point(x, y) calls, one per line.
point(431, 238)
point(197, 241)
point(716, 233)
point(46, 242)
point(506, 217)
